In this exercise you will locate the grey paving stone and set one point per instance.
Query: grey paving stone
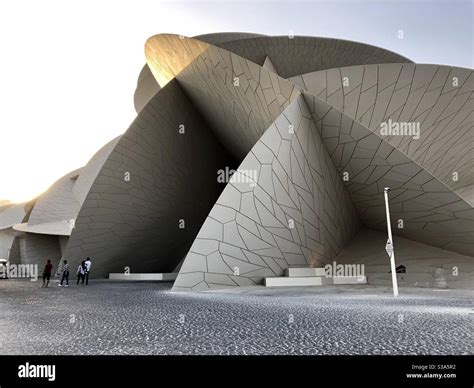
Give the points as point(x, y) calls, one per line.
point(145, 318)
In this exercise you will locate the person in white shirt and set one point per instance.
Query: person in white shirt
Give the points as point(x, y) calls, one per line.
point(88, 264)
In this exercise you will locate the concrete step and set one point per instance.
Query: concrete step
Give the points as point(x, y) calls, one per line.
point(160, 277)
point(304, 272)
point(349, 280)
point(299, 281)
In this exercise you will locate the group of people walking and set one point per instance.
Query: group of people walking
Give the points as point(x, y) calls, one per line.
point(82, 273)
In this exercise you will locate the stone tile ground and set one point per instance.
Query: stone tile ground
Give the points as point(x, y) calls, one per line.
point(146, 318)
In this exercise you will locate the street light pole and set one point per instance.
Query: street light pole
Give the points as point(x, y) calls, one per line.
point(389, 247)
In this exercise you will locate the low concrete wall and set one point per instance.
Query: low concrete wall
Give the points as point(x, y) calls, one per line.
point(160, 277)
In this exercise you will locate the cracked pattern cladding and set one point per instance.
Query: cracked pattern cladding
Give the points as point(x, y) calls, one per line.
point(304, 54)
point(58, 203)
point(431, 212)
point(239, 99)
point(288, 216)
point(438, 98)
point(238, 95)
point(132, 213)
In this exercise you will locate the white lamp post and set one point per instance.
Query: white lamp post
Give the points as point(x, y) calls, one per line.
point(389, 246)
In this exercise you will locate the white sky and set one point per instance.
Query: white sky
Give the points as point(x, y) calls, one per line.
point(68, 68)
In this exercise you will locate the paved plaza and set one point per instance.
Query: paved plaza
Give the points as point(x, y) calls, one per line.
point(146, 318)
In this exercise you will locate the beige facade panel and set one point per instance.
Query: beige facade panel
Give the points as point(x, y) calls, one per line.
point(89, 172)
point(223, 37)
point(426, 209)
point(238, 98)
point(285, 206)
point(298, 55)
point(154, 191)
point(432, 104)
point(58, 203)
point(147, 87)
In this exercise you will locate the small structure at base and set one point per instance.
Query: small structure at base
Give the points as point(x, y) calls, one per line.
point(147, 277)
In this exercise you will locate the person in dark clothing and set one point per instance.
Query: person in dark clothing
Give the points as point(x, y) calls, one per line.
point(64, 274)
point(81, 270)
point(47, 273)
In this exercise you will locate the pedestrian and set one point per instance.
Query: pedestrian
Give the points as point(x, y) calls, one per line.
point(88, 263)
point(47, 273)
point(64, 274)
point(81, 270)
